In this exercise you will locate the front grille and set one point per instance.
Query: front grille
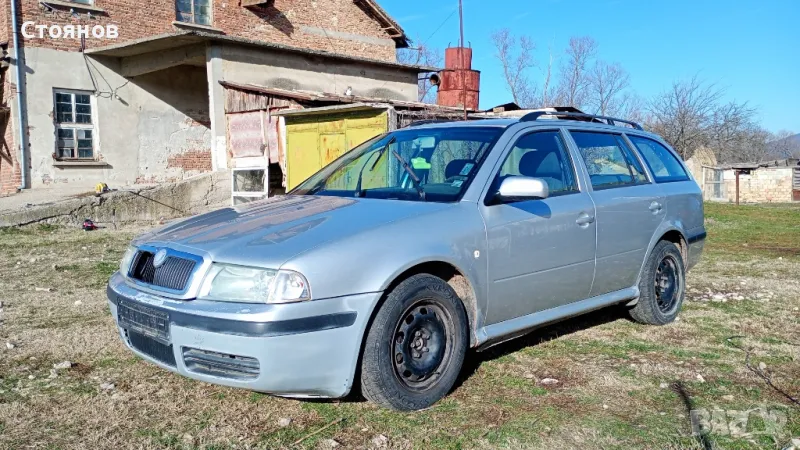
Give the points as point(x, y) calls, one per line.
point(173, 274)
point(152, 348)
point(220, 364)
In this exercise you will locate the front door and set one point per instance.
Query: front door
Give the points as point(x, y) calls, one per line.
point(629, 208)
point(540, 252)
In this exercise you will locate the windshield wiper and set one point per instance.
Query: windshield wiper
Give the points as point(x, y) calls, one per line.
point(361, 172)
point(411, 173)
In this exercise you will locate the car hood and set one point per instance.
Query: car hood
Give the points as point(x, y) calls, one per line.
point(270, 232)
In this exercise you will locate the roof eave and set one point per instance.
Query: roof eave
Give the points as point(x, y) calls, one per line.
point(114, 49)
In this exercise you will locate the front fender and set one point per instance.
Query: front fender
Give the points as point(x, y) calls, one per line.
point(370, 261)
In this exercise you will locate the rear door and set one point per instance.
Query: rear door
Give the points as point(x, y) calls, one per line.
point(684, 196)
point(629, 207)
point(540, 252)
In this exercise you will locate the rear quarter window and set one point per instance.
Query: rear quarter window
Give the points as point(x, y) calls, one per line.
point(662, 163)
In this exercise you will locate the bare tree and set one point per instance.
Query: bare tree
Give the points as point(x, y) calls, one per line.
point(424, 56)
point(683, 114)
point(784, 144)
point(575, 70)
point(551, 94)
point(734, 136)
point(607, 82)
point(516, 58)
point(631, 106)
point(691, 115)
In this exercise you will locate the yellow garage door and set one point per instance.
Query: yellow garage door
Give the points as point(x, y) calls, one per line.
point(313, 141)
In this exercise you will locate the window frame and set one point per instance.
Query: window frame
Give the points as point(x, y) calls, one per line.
point(76, 126)
point(625, 142)
point(672, 153)
point(194, 15)
point(492, 185)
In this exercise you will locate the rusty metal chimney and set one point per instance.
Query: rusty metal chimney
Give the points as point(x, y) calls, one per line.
point(459, 85)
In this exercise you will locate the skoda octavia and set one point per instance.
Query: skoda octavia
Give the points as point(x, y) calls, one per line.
point(381, 270)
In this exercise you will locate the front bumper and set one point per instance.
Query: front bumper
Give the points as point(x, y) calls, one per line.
point(307, 349)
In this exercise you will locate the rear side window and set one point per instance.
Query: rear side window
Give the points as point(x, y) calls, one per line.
point(609, 161)
point(662, 162)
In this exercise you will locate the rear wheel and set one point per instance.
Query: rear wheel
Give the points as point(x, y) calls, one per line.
point(415, 347)
point(662, 286)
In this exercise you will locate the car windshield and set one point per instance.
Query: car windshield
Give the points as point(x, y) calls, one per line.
point(420, 164)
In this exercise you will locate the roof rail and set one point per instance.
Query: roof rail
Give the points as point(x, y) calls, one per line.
point(533, 116)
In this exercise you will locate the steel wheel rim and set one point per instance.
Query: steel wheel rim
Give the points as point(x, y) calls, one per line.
point(420, 347)
point(667, 284)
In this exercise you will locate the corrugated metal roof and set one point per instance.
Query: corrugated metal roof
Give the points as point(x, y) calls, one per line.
point(326, 97)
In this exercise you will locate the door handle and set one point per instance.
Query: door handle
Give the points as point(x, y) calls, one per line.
point(655, 207)
point(584, 219)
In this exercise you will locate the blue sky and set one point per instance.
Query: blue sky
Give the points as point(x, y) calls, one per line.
point(751, 48)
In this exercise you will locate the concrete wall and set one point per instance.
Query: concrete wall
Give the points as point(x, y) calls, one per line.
point(287, 70)
point(145, 205)
point(140, 134)
point(764, 185)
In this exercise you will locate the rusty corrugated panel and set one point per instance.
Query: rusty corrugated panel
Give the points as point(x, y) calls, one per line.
point(271, 125)
point(246, 134)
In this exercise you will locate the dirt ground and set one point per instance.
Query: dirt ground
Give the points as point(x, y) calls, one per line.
point(734, 349)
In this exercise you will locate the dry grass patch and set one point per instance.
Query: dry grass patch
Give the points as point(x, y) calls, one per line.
point(614, 376)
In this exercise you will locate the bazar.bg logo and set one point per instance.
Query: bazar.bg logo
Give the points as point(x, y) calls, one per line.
point(31, 30)
point(746, 423)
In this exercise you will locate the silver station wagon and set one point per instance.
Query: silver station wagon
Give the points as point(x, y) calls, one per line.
point(381, 270)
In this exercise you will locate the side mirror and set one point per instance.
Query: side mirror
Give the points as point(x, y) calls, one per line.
point(516, 188)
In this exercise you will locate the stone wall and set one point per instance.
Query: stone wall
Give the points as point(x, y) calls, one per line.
point(764, 185)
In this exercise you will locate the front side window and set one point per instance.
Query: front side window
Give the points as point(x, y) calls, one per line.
point(418, 164)
point(74, 125)
point(194, 11)
point(609, 161)
point(662, 162)
point(542, 155)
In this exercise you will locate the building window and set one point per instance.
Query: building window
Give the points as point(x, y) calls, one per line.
point(83, 2)
point(74, 125)
point(194, 11)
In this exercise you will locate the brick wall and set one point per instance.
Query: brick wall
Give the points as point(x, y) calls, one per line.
point(10, 175)
point(278, 21)
point(191, 161)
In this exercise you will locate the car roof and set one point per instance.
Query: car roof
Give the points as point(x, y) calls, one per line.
point(506, 122)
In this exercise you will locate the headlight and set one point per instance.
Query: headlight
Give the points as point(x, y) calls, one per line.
point(230, 283)
point(127, 258)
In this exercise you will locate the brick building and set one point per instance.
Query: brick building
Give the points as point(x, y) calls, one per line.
point(123, 92)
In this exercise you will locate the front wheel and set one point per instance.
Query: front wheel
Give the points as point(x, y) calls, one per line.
point(662, 286)
point(415, 346)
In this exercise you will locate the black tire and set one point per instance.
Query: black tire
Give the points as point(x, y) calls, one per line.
point(662, 287)
point(421, 327)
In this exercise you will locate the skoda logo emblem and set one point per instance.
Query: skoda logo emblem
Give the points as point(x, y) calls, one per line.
point(159, 258)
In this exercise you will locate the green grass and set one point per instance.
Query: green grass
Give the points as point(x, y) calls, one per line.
point(753, 229)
